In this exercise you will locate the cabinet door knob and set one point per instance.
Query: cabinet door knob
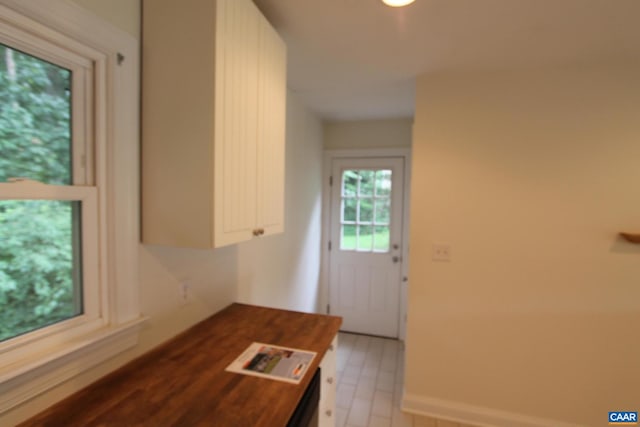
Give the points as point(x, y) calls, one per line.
point(330, 380)
point(328, 412)
point(256, 232)
point(331, 347)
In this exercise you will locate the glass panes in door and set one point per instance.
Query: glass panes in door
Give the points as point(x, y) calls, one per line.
point(365, 210)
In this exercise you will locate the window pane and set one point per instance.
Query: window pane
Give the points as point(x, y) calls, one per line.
point(349, 210)
point(383, 209)
point(350, 183)
point(39, 264)
point(365, 238)
point(383, 183)
point(366, 183)
point(381, 239)
point(366, 210)
point(35, 124)
point(348, 238)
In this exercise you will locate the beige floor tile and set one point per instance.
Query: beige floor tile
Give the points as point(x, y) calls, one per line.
point(345, 395)
point(386, 382)
point(376, 421)
point(382, 404)
point(359, 413)
point(369, 372)
point(364, 391)
point(341, 416)
point(350, 375)
point(370, 383)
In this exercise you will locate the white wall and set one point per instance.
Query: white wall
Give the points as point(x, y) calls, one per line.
point(390, 133)
point(283, 271)
point(280, 271)
point(529, 176)
point(124, 14)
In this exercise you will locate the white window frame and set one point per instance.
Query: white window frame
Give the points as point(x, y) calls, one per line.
point(94, 304)
point(83, 189)
point(57, 30)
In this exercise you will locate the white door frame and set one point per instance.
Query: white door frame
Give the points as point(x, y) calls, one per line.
point(329, 156)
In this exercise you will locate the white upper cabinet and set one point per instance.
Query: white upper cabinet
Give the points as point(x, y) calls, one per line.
point(270, 153)
point(214, 107)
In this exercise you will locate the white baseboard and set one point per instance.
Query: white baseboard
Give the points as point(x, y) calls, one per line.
point(472, 415)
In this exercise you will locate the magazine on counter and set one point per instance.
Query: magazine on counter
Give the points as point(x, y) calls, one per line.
point(270, 361)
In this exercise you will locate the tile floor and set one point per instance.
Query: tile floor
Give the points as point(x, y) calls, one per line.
point(370, 376)
point(370, 381)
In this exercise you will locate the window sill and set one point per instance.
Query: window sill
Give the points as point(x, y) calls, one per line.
point(19, 383)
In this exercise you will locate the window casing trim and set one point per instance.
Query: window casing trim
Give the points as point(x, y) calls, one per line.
point(37, 376)
point(116, 130)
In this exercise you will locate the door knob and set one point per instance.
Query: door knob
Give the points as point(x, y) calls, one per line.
point(396, 259)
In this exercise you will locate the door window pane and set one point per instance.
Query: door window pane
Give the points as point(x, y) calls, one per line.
point(349, 210)
point(366, 210)
point(383, 183)
point(35, 119)
point(366, 183)
point(348, 237)
point(39, 264)
point(350, 180)
point(381, 239)
point(383, 209)
point(365, 238)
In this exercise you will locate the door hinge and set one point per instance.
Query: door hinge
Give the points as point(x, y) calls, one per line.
point(330, 181)
point(329, 245)
point(328, 308)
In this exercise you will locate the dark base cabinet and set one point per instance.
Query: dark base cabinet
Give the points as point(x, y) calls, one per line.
point(306, 413)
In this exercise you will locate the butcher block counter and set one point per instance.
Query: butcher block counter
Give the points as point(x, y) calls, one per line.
point(183, 382)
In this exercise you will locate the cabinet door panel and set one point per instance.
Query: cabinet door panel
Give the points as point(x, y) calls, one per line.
point(271, 131)
point(327, 405)
point(236, 120)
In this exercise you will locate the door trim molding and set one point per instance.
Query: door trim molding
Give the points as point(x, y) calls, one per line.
point(329, 157)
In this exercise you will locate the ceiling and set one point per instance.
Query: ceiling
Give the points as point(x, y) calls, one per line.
point(358, 59)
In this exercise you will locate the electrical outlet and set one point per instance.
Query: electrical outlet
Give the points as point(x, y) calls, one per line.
point(441, 252)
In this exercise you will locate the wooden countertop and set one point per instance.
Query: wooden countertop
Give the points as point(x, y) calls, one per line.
point(183, 382)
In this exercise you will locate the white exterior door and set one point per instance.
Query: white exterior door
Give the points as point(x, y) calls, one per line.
point(366, 230)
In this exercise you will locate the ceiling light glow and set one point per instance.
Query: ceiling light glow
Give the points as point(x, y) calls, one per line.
point(397, 3)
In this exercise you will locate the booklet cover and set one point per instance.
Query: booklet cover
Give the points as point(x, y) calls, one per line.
point(270, 361)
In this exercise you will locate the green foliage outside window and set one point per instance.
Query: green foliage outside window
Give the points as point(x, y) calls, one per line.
point(36, 237)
